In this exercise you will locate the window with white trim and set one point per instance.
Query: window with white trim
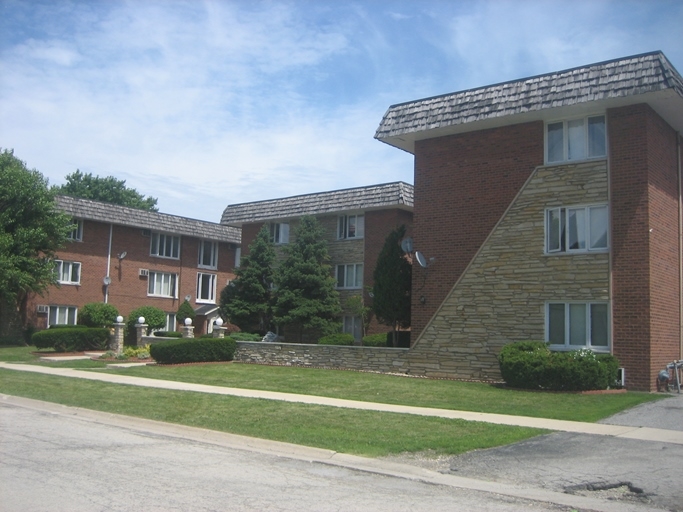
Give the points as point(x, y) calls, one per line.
point(208, 254)
point(576, 139)
point(279, 233)
point(68, 272)
point(165, 246)
point(170, 322)
point(62, 315)
point(206, 287)
point(350, 276)
point(573, 325)
point(577, 229)
point(350, 226)
point(76, 233)
point(238, 256)
point(162, 284)
point(353, 325)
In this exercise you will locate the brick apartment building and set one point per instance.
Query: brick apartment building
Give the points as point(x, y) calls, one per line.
point(131, 258)
point(552, 208)
point(356, 222)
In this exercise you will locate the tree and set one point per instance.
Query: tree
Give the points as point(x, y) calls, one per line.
point(392, 288)
point(108, 190)
point(306, 297)
point(97, 314)
point(31, 230)
point(185, 310)
point(356, 306)
point(247, 302)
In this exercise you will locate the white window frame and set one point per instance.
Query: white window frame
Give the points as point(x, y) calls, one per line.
point(163, 245)
point(171, 322)
point(558, 239)
point(65, 272)
point(67, 313)
point(351, 227)
point(212, 278)
point(576, 131)
point(238, 257)
point(279, 232)
point(155, 286)
point(351, 275)
point(575, 307)
point(210, 254)
point(353, 325)
point(76, 233)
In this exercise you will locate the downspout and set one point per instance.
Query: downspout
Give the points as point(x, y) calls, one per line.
point(107, 278)
point(680, 247)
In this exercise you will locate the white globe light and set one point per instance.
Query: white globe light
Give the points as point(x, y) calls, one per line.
point(188, 321)
point(219, 322)
point(141, 320)
point(119, 319)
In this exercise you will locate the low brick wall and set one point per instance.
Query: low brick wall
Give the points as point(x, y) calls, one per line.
point(380, 359)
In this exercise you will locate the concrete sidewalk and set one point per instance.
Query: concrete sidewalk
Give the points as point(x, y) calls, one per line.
point(617, 431)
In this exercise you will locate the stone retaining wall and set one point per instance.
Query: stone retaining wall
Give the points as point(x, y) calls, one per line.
point(380, 359)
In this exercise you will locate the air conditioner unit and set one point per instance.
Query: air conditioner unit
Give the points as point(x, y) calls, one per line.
point(143, 272)
point(42, 308)
point(146, 232)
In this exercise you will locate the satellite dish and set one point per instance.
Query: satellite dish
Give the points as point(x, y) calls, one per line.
point(123, 255)
point(407, 244)
point(421, 259)
point(188, 297)
point(106, 280)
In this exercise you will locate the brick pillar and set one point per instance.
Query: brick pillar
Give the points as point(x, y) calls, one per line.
point(219, 332)
point(188, 331)
point(116, 338)
point(140, 331)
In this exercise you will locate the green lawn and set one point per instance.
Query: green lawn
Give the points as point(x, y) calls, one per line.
point(372, 387)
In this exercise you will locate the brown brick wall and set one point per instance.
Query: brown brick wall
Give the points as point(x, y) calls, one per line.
point(127, 290)
point(645, 257)
point(463, 185)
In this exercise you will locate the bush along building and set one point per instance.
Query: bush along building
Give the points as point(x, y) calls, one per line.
point(551, 207)
point(356, 223)
point(131, 258)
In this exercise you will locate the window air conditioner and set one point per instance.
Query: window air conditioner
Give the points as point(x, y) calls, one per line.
point(143, 272)
point(42, 308)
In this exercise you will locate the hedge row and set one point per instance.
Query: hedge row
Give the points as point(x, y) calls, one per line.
point(531, 365)
point(337, 339)
point(72, 339)
point(193, 350)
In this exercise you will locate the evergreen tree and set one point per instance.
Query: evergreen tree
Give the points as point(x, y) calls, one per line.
point(392, 288)
point(306, 297)
point(185, 310)
point(247, 301)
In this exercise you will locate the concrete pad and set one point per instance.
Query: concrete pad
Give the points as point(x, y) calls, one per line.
point(63, 358)
point(125, 365)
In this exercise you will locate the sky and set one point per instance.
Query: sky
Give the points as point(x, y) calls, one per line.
point(202, 104)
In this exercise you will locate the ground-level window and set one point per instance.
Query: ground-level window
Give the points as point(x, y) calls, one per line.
point(206, 287)
point(350, 276)
point(577, 229)
point(62, 315)
point(279, 233)
point(576, 139)
point(574, 325)
point(353, 325)
point(162, 284)
point(68, 272)
point(351, 226)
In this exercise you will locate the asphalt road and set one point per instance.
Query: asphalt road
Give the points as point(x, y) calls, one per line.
point(59, 462)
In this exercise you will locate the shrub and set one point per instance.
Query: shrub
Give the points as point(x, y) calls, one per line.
point(206, 335)
point(136, 352)
point(531, 365)
point(155, 319)
point(375, 340)
point(193, 350)
point(97, 314)
point(67, 326)
point(168, 334)
point(337, 339)
point(185, 311)
point(72, 339)
point(245, 336)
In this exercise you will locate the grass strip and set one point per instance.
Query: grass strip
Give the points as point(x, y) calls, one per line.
point(356, 432)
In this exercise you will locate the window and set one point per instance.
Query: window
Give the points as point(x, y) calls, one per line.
point(162, 284)
point(353, 325)
point(208, 254)
point(68, 272)
point(350, 276)
point(576, 139)
point(238, 256)
point(576, 229)
point(165, 246)
point(575, 325)
point(76, 233)
point(279, 233)
point(351, 226)
point(206, 287)
point(62, 315)
point(170, 322)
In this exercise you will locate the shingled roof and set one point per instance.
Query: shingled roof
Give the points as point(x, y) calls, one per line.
point(124, 216)
point(647, 78)
point(397, 195)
